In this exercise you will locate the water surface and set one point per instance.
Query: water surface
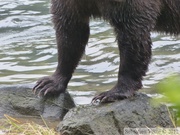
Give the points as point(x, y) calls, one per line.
point(28, 51)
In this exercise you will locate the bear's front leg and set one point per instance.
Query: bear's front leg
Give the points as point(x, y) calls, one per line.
point(72, 33)
point(71, 40)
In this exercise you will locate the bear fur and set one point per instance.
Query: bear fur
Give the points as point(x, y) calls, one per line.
point(132, 20)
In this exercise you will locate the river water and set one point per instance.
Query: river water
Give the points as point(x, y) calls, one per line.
point(28, 52)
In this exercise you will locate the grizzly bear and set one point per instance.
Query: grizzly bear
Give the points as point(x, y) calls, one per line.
point(132, 20)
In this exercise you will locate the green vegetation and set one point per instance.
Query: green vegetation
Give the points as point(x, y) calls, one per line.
point(170, 88)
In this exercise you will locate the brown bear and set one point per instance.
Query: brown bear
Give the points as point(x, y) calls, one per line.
point(132, 20)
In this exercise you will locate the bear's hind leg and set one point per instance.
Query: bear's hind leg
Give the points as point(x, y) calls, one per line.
point(133, 36)
point(135, 54)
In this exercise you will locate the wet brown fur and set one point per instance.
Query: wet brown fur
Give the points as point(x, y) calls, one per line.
point(132, 20)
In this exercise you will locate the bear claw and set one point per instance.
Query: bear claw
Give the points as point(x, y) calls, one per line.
point(111, 96)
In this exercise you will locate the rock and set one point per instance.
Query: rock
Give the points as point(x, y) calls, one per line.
point(112, 118)
point(20, 101)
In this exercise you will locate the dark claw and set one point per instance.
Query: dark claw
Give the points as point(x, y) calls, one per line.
point(49, 86)
point(111, 96)
point(40, 84)
point(99, 97)
point(42, 91)
point(35, 87)
point(48, 90)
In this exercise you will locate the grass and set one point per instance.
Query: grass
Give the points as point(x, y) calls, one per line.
point(12, 126)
